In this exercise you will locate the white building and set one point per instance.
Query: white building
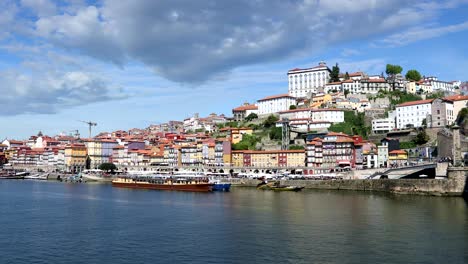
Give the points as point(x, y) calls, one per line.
point(383, 125)
point(353, 86)
point(274, 104)
point(412, 113)
point(439, 85)
point(304, 82)
point(332, 87)
point(374, 85)
point(331, 115)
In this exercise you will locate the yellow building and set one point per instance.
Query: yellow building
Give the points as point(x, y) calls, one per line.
point(238, 158)
point(320, 99)
point(397, 157)
point(235, 134)
point(94, 148)
point(227, 159)
point(411, 87)
point(268, 158)
point(75, 157)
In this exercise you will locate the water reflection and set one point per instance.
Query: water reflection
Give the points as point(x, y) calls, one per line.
point(100, 224)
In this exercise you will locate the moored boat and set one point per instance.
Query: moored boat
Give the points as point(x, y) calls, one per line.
point(37, 177)
point(177, 182)
point(96, 175)
point(219, 181)
point(276, 186)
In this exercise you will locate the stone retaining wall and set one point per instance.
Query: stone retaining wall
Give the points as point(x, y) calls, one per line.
point(455, 185)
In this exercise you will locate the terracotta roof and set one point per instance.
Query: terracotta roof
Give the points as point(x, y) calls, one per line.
point(428, 101)
point(275, 97)
point(333, 83)
point(397, 151)
point(245, 107)
point(354, 74)
point(344, 140)
point(327, 109)
point(295, 110)
point(380, 80)
point(313, 68)
point(456, 98)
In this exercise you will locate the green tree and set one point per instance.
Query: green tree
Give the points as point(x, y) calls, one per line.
point(292, 107)
point(270, 121)
point(347, 76)
point(462, 115)
point(421, 138)
point(248, 142)
point(335, 73)
point(88, 163)
point(251, 117)
point(276, 133)
point(391, 71)
point(413, 75)
point(296, 147)
point(346, 92)
point(108, 167)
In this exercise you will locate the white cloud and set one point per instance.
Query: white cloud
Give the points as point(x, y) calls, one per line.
point(346, 52)
point(50, 91)
point(420, 33)
point(188, 41)
point(40, 7)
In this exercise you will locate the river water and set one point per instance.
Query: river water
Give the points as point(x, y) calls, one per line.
point(49, 222)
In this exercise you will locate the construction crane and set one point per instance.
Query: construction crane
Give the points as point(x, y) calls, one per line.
point(76, 133)
point(90, 124)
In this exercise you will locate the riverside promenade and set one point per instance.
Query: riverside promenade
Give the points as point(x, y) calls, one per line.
point(454, 185)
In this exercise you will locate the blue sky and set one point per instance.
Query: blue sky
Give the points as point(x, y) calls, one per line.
point(126, 64)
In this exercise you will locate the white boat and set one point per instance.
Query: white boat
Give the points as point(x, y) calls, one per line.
point(96, 175)
point(37, 177)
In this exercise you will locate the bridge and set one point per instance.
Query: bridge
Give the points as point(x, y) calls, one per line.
point(429, 169)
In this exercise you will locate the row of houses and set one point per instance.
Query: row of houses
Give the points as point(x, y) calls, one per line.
point(440, 112)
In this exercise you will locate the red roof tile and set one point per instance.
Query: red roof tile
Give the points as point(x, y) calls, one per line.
point(428, 101)
point(275, 97)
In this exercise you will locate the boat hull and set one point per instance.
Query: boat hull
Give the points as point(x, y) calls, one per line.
point(200, 187)
point(222, 187)
point(13, 177)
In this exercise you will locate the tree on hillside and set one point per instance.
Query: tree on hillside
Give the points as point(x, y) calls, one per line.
point(413, 75)
point(276, 133)
point(346, 92)
point(346, 76)
point(335, 74)
point(391, 71)
point(270, 121)
point(421, 138)
point(108, 167)
point(251, 117)
point(292, 107)
point(462, 115)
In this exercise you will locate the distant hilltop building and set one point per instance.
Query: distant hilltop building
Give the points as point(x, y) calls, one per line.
point(241, 112)
point(304, 82)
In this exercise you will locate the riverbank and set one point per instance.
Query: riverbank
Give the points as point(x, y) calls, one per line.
point(454, 185)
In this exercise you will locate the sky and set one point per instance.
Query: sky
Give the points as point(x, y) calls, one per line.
point(126, 64)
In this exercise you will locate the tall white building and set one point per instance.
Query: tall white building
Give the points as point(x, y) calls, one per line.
point(304, 82)
point(413, 113)
point(275, 104)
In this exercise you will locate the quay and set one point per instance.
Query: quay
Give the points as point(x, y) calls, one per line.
point(455, 184)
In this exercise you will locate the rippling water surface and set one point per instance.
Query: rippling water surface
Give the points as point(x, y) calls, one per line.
point(48, 222)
